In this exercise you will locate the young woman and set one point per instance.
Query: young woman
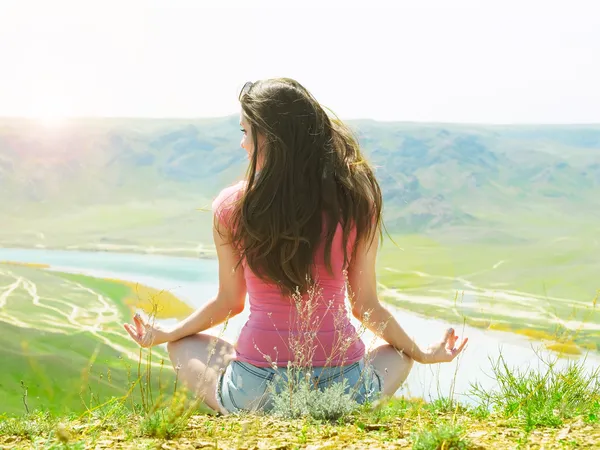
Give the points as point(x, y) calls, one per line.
point(298, 234)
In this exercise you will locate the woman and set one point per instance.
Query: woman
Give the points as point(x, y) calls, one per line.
point(302, 229)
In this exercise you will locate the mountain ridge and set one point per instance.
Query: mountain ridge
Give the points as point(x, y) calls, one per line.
point(434, 177)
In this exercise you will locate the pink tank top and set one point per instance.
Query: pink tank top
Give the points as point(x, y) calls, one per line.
point(280, 329)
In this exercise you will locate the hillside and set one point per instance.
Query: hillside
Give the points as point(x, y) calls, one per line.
point(130, 182)
point(62, 335)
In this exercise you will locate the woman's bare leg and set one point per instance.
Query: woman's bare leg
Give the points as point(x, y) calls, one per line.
point(198, 360)
point(392, 365)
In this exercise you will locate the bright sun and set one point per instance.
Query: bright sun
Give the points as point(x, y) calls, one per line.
point(51, 110)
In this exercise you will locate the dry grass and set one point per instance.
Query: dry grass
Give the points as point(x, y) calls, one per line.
point(399, 424)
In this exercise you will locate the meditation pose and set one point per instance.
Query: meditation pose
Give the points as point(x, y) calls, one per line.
point(299, 237)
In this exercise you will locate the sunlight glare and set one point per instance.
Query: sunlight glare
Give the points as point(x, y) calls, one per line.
point(51, 110)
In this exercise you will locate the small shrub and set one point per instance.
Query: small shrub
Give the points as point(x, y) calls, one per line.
point(444, 436)
point(167, 422)
point(302, 399)
point(479, 412)
point(162, 424)
point(445, 405)
point(295, 395)
point(112, 416)
point(29, 426)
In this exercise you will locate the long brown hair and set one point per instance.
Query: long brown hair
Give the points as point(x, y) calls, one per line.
point(312, 178)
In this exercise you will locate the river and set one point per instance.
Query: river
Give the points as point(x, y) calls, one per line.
point(195, 281)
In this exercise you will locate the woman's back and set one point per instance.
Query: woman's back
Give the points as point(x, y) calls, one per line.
point(310, 329)
point(307, 218)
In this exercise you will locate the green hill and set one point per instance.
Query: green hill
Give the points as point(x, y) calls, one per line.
point(129, 182)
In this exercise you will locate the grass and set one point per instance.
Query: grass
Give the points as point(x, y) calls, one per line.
point(549, 267)
point(557, 408)
point(441, 436)
point(134, 296)
point(546, 291)
point(63, 345)
point(525, 269)
point(399, 423)
point(544, 397)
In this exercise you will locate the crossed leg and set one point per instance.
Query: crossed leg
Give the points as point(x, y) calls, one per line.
point(392, 365)
point(198, 359)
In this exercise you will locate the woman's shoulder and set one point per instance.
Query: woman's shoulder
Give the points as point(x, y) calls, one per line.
point(225, 200)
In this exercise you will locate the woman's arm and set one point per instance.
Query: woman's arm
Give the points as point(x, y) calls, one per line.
point(228, 303)
point(367, 308)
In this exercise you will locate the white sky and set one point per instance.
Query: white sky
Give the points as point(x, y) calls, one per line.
point(498, 61)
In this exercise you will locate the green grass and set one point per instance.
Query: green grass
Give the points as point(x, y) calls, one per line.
point(52, 364)
point(548, 287)
point(441, 437)
point(67, 373)
point(543, 397)
point(112, 290)
point(549, 246)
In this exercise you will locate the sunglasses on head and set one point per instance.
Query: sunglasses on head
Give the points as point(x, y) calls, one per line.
point(246, 89)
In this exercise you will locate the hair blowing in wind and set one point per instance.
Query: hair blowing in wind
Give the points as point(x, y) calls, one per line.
point(311, 178)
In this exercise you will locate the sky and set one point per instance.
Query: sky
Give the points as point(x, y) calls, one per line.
point(484, 61)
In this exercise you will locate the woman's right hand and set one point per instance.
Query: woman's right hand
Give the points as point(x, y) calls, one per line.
point(144, 334)
point(445, 350)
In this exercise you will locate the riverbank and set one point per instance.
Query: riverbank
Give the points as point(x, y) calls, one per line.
point(538, 323)
point(480, 288)
point(201, 251)
point(564, 337)
point(163, 305)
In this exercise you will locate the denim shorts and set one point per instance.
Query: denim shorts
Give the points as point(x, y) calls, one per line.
point(245, 387)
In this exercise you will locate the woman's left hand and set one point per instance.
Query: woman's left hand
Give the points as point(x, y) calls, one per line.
point(445, 350)
point(145, 334)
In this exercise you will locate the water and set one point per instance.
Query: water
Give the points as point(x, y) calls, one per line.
point(176, 269)
point(195, 281)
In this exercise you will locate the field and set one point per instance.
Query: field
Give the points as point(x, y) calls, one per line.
point(542, 290)
point(62, 343)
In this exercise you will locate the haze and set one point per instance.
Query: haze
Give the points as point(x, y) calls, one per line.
point(433, 61)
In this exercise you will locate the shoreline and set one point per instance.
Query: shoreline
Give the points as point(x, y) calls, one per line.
point(120, 249)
